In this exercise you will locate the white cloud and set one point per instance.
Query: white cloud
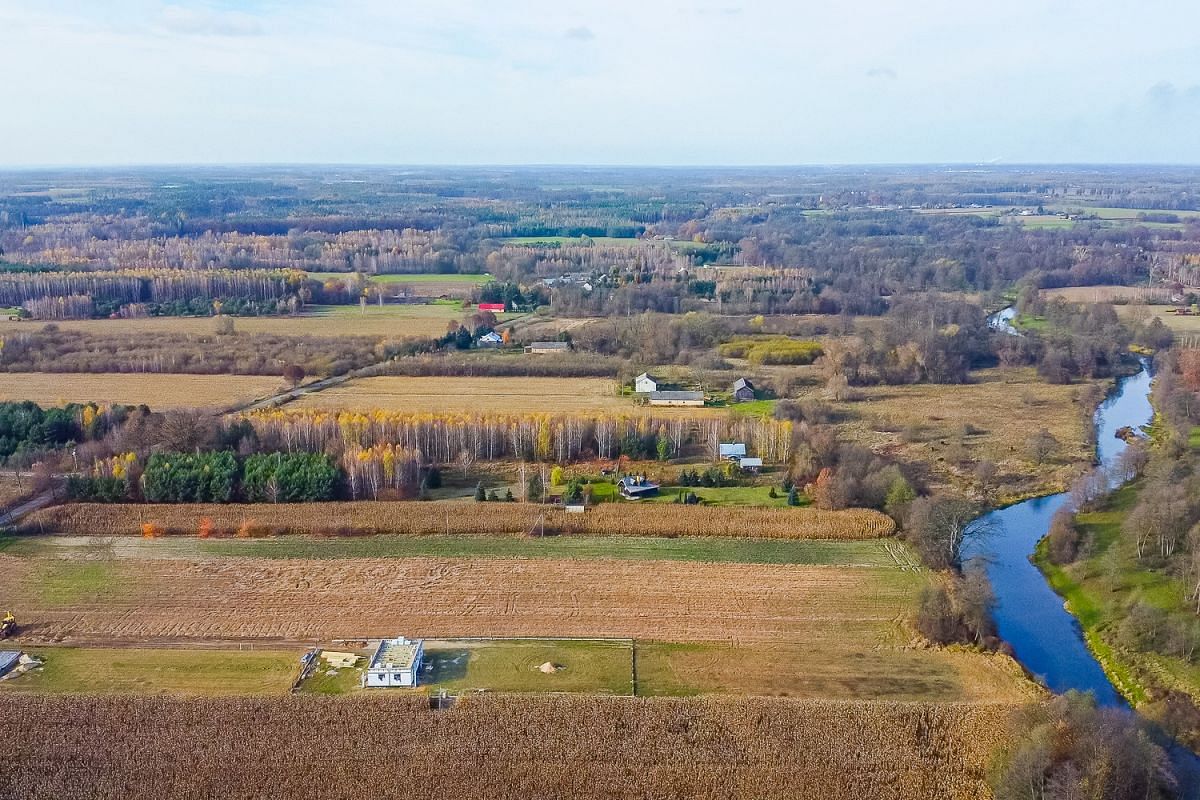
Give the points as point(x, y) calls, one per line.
point(599, 81)
point(208, 22)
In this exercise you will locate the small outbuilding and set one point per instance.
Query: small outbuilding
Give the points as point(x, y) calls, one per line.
point(751, 464)
point(541, 348)
point(491, 339)
point(495, 308)
point(676, 398)
point(743, 390)
point(396, 663)
point(645, 383)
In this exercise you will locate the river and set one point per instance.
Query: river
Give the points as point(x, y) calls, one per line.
point(1030, 616)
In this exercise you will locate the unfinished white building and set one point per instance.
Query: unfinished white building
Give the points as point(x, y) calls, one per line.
point(396, 663)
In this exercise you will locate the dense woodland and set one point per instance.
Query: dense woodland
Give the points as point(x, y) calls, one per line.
point(820, 241)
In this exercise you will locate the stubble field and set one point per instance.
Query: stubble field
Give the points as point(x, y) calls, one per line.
point(319, 600)
point(157, 390)
point(389, 321)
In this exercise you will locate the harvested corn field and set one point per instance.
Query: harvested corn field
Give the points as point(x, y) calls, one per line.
point(497, 747)
point(301, 599)
point(416, 518)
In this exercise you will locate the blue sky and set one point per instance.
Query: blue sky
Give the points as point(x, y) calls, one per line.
point(612, 82)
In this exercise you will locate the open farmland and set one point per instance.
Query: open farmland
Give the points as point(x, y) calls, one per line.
point(797, 630)
point(848, 622)
point(498, 747)
point(157, 390)
point(425, 284)
point(1109, 294)
point(991, 417)
point(599, 666)
point(450, 394)
point(453, 517)
point(318, 600)
point(394, 321)
point(808, 669)
point(1185, 326)
point(842, 552)
point(496, 395)
point(156, 671)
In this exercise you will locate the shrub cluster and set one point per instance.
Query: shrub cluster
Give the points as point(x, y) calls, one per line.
point(772, 350)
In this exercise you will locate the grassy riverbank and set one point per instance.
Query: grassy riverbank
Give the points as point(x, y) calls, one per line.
point(1101, 588)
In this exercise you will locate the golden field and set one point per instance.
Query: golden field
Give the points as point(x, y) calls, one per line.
point(157, 390)
point(395, 321)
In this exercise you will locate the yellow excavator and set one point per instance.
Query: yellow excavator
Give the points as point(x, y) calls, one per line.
point(8, 625)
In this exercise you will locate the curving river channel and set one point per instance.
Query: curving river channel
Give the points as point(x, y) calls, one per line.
point(1030, 616)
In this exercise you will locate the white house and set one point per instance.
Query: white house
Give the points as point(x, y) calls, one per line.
point(645, 383)
point(733, 451)
point(491, 339)
point(396, 663)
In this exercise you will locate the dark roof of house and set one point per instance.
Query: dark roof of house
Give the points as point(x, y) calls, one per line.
point(549, 345)
point(631, 485)
point(742, 383)
point(677, 395)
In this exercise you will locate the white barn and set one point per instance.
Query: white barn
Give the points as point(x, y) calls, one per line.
point(645, 383)
point(396, 663)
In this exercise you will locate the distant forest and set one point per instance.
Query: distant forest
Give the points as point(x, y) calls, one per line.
point(601, 241)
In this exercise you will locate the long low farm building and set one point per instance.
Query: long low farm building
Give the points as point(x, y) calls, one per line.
point(676, 398)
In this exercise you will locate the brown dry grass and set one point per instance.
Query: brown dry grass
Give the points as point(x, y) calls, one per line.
point(11, 491)
point(450, 517)
point(1185, 326)
point(1003, 406)
point(848, 667)
point(1108, 294)
point(498, 747)
point(158, 391)
point(386, 322)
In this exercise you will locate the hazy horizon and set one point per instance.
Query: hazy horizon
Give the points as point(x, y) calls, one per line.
point(369, 83)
